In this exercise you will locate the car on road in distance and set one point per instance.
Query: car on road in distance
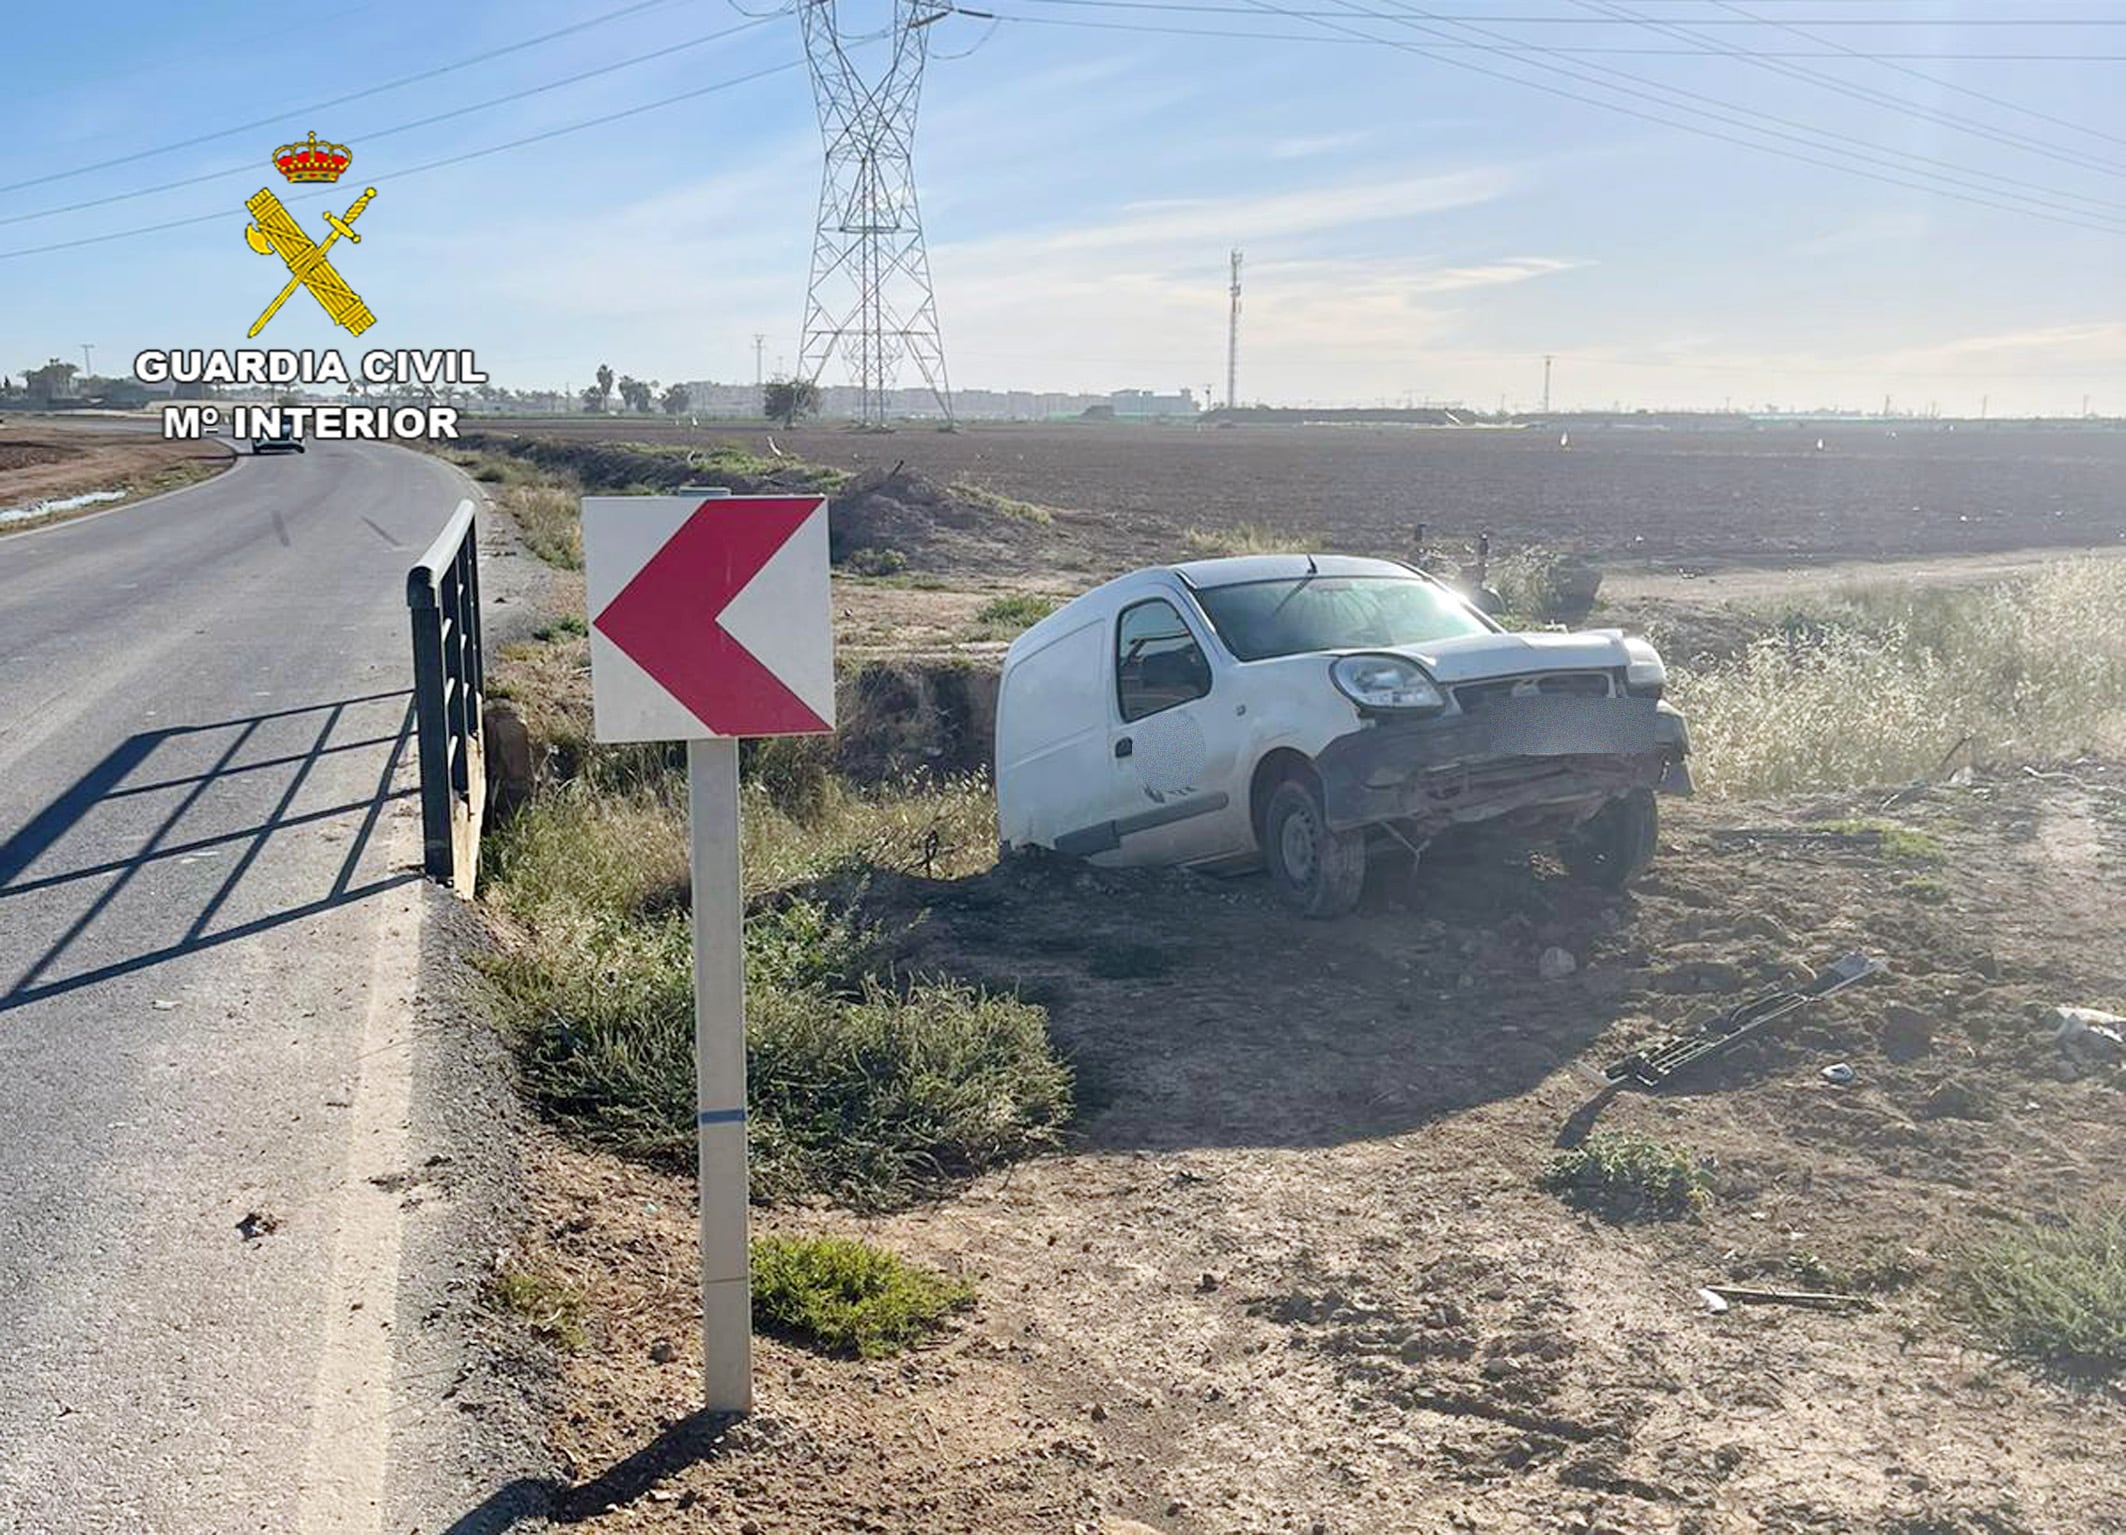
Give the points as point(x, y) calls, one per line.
point(1306, 711)
point(286, 440)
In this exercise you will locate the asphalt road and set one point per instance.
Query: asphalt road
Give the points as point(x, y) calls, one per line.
point(218, 1208)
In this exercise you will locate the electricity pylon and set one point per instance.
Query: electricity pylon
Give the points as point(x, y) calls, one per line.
point(870, 298)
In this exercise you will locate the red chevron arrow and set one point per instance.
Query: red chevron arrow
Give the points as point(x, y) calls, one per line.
point(665, 619)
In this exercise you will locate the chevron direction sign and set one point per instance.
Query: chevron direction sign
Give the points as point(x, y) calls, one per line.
point(710, 621)
point(709, 616)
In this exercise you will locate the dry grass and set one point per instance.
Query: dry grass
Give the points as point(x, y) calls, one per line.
point(1002, 505)
point(550, 518)
point(1252, 538)
point(1883, 687)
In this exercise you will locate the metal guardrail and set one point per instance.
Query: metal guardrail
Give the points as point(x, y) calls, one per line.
point(449, 691)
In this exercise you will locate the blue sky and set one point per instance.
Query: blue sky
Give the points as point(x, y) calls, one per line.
point(1412, 228)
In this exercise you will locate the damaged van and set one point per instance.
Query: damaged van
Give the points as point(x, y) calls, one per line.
point(1301, 712)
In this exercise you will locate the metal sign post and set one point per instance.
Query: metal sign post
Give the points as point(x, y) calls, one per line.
point(720, 1075)
point(710, 621)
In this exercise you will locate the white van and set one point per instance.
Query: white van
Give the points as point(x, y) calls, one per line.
point(1293, 710)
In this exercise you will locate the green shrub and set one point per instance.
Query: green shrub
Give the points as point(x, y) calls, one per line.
point(848, 1297)
point(876, 562)
point(1906, 843)
point(2055, 1295)
point(1006, 618)
point(569, 626)
point(552, 1308)
point(809, 946)
point(880, 1100)
point(1624, 1176)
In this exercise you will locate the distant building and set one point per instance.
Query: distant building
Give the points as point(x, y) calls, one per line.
point(1145, 405)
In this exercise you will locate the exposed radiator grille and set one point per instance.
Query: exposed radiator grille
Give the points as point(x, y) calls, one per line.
point(1472, 696)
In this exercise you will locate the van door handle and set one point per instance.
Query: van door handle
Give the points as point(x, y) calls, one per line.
point(1124, 747)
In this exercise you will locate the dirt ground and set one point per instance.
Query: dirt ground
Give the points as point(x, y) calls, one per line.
point(1296, 1274)
point(1700, 500)
point(42, 459)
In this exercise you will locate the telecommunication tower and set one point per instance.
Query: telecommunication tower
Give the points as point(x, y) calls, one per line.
point(1232, 341)
point(870, 299)
point(1546, 383)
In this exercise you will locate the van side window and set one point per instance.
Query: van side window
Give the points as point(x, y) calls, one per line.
point(1158, 663)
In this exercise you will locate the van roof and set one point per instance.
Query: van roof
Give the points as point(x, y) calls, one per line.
point(1205, 575)
point(1236, 569)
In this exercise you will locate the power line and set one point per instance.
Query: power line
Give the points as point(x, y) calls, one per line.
point(1893, 61)
point(1670, 122)
point(249, 166)
point(431, 165)
point(1567, 49)
point(1662, 96)
point(1709, 21)
point(132, 156)
point(1873, 97)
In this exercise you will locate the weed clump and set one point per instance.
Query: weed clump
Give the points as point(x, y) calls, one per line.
point(1006, 618)
point(848, 1297)
point(1623, 1176)
point(1251, 538)
point(551, 1308)
point(2053, 1295)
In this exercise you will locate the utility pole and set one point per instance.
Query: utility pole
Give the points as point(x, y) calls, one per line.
point(1232, 341)
point(759, 340)
point(88, 363)
point(870, 297)
point(1546, 383)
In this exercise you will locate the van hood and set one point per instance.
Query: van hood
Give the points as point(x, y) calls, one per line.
point(1476, 657)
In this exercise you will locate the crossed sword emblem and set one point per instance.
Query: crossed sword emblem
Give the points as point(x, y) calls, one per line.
point(273, 231)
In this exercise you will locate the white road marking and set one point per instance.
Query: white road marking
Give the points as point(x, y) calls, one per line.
point(342, 1491)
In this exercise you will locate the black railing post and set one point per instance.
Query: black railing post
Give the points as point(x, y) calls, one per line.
point(449, 674)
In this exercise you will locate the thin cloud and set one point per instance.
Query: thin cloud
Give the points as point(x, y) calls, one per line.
point(1308, 146)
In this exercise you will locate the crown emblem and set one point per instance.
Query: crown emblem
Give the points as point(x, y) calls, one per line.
point(312, 161)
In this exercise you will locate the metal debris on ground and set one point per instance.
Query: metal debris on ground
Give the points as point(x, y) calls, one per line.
point(2088, 1034)
point(1716, 1036)
point(1817, 1299)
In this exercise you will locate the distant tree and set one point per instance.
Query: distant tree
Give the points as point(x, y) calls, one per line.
point(594, 400)
point(635, 395)
point(51, 382)
point(605, 386)
point(785, 399)
point(675, 400)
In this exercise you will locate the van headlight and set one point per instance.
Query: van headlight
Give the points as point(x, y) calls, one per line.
point(1644, 674)
point(1387, 683)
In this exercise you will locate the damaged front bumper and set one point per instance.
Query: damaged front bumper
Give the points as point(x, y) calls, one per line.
point(1552, 756)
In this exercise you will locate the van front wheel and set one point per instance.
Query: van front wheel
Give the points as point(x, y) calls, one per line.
point(1318, 872)
point(1615, 845)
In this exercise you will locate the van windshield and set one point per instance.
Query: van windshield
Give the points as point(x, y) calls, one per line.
point(1261, 619)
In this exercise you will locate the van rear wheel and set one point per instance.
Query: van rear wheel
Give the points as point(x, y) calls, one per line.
point(1318, 871)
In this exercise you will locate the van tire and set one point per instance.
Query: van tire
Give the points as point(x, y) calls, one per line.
point(1612, 847)
point(1318, 872)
